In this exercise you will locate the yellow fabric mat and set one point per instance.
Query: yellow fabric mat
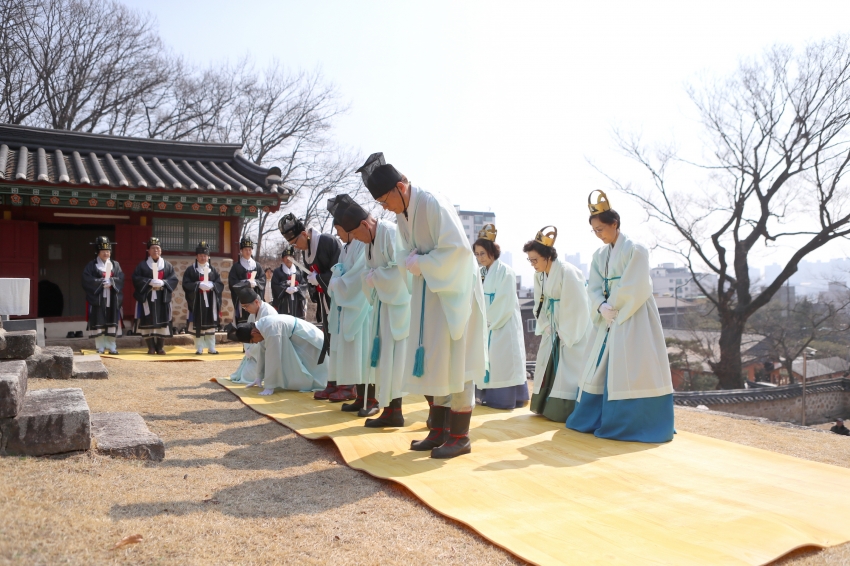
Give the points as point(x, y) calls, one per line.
point(553, 496)
point(174, 354)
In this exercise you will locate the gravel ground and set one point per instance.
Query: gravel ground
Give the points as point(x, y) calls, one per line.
point(236, 487)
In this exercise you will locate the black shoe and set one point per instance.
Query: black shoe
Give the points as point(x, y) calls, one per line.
point(370, 409)
point(78, 334)
point(390, 418)
point(358, 400)
point(458, 442)
point(439, 417)
point(70, 334)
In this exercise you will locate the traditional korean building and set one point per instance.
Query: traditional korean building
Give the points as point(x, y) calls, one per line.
point(60, 189)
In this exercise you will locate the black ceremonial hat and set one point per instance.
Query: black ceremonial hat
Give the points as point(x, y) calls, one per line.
point(245, 293)
point(379, 176)
point(347, 213)
point(246, 243)
point(290, 226)
point(202, 248)
point(288, 251)
point(102, 243)
point(154, 241)
point(242, 333)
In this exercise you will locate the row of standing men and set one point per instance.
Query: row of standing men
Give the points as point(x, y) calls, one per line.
point(154, 282)
point(405, 308)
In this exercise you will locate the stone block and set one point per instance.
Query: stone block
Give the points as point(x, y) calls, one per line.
point(13, 387)
point(36, 324)
point(19, 345)
point(52, 421)
point(89, 367)
point(53, 362)
point(125, 435)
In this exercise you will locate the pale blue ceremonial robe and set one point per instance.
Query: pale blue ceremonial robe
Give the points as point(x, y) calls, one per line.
point(291, 354)
point(504, 384)
point(389, 296)
point(252, 362)
point(626, 391)
point(348, 319)
point(447, 304)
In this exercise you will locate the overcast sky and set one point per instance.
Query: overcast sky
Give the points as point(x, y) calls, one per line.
point(499, 105)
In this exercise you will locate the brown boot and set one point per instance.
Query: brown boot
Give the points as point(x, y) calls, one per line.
point(160, 346)
point(151, 342)
point(439, 417)
point(326, 392)
point(343, 393)
point(458, 442)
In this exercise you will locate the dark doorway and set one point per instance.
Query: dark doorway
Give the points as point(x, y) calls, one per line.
point(63, 252)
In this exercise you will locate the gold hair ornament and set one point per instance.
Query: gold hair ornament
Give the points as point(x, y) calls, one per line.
point(488, 232)
point(548, 238)
point(601, 204)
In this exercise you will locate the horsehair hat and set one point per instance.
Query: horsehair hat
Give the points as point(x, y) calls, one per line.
point(154, 241)
point(346, 212)
point(102, 243)
point(246, 242)
point(288, 251)
point(230, 329)
point(379, 176)
point(488, 232)
point(245, 293)
point(601, 205)
point(547, 238)
point(290, 226)
point(242, 332)
point(202, 248)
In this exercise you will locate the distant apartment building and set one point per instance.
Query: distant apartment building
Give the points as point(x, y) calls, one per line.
point(473, 221)
point(575, 259)
point(667, 278)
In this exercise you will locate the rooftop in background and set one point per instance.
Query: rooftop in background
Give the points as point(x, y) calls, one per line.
point(64, 159)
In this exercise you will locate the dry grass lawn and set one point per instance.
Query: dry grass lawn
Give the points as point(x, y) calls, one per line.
point(238, 488)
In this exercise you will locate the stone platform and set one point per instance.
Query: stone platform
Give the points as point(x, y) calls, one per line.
point(125, 435)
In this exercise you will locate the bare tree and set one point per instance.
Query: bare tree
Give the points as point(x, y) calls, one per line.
point(790, 329)
point(777, 135)
point(98, 66)
point(20, 92)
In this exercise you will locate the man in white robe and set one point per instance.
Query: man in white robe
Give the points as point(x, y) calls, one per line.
point(250, 370)
point(387, 287)
point(290, 353)
point(348, 320)
point(447, 349)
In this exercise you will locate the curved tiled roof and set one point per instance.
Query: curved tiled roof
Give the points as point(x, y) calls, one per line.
point(730, 396)
point(58, 157)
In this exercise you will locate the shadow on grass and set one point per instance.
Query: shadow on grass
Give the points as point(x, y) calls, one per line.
point(265, 431)
point(305, 494)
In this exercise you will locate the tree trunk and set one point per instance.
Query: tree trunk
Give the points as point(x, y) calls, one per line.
point(728, 369)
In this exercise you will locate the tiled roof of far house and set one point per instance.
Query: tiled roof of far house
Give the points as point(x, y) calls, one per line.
point(74, 159)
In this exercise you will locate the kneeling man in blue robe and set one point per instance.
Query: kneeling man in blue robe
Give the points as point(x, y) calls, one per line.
point(292, 350)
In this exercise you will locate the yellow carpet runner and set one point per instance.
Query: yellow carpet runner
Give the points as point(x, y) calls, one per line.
point(174, 354)
point(553, 496)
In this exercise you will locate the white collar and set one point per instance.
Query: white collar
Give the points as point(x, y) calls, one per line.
point(249, 264)
point(159, 264)
point(314, 245)
point(102, 265)
point(287, 270)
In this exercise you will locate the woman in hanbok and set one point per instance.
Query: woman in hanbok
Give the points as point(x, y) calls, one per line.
point(503, 385)
point(103, 282)
point(563, 322)
point(626, 391)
